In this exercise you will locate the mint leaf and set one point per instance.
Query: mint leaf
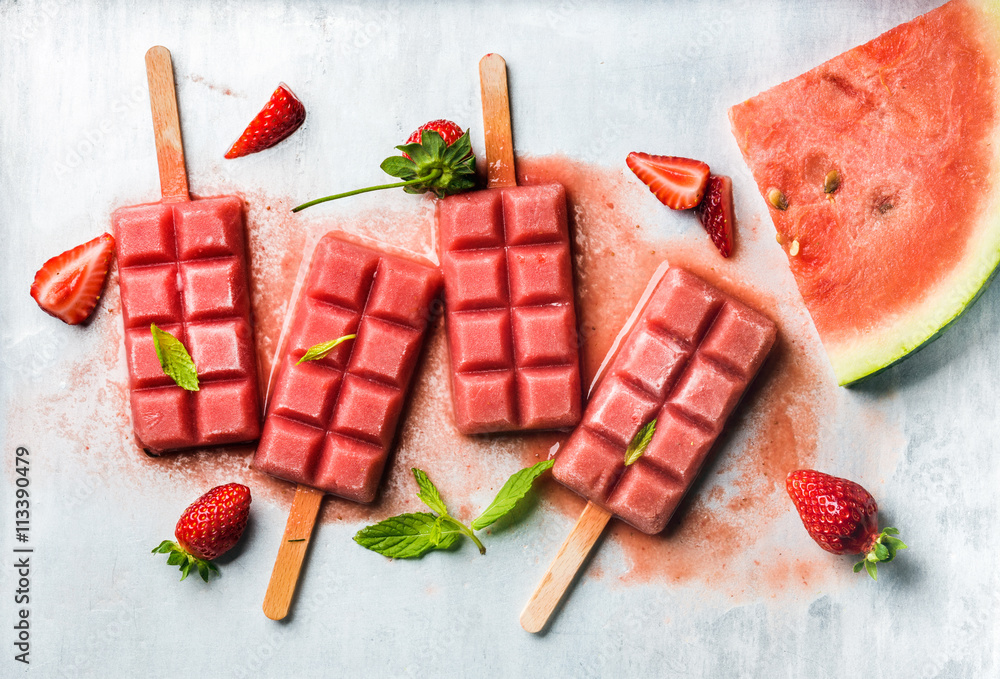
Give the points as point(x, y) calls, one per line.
point(448, 534)
point(640, 442)
point(174, 359)
point(318, 351)
point(406, 536)
point(516, 487)
point(429, 494)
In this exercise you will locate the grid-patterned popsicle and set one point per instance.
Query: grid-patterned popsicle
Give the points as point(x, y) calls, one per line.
point(330, 422)
point(182, 266)
point(510, 309)
point(687, 361)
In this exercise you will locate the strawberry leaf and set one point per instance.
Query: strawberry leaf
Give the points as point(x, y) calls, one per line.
point(460, 151)
point(185, 561)
point(417, 153)
point(398, 166)
point(516, 487)
point(881, 552)
point(893, 544)
point(433, 143)
point(174, 359)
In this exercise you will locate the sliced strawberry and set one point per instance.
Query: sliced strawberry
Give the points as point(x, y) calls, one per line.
point(281, 116)
point(69, 285)
point(716, 212)
point(678, 183)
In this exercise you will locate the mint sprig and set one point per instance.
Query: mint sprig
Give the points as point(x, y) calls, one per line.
point(637, 446)
point(412, 535)
point(321, 350)
point(174, 358)
point(432, 166)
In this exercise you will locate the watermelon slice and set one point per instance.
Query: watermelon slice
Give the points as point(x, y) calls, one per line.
point(886, 160)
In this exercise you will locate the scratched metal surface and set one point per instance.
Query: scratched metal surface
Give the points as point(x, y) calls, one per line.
point(590, 80)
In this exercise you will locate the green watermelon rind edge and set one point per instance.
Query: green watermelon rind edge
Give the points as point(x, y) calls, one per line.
point(875, 351)
point(856, 381)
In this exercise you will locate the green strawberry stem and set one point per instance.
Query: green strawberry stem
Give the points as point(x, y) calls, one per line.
point(184, 560)
point(355, 192)
point(465, 530)
point(883, 550)
point(430, 165)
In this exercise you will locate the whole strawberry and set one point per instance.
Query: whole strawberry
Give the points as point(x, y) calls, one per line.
point(842, 517)
point(448, 130)
point(437, 157)
point(209, 528)
point(281, 115)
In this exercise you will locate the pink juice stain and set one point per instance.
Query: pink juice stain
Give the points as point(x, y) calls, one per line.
point(720, 538)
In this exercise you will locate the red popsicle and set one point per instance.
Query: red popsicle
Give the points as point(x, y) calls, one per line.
point(686, 362)
point(182, 265)
point(508, 281)
point(330, 422)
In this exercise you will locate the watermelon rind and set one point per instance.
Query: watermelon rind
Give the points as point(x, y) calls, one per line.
point(860, 352)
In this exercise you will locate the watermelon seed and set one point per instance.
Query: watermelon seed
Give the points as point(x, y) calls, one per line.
point(778, 237)
point(883, 204)
point(793, 249)
point(777, 199)
point(832, 181)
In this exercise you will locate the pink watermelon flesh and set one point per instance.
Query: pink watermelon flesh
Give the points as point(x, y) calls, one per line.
point(910, 236)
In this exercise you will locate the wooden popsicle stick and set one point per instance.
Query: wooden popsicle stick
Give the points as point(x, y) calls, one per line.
point(500, 173)
point(166, 125)
point(496, 122)
point(564, 567)
point(292, 552)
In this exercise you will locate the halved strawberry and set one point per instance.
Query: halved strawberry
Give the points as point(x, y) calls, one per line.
point(716, 212)
point(679, 183)
point(69, 285)
point(281, 116)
